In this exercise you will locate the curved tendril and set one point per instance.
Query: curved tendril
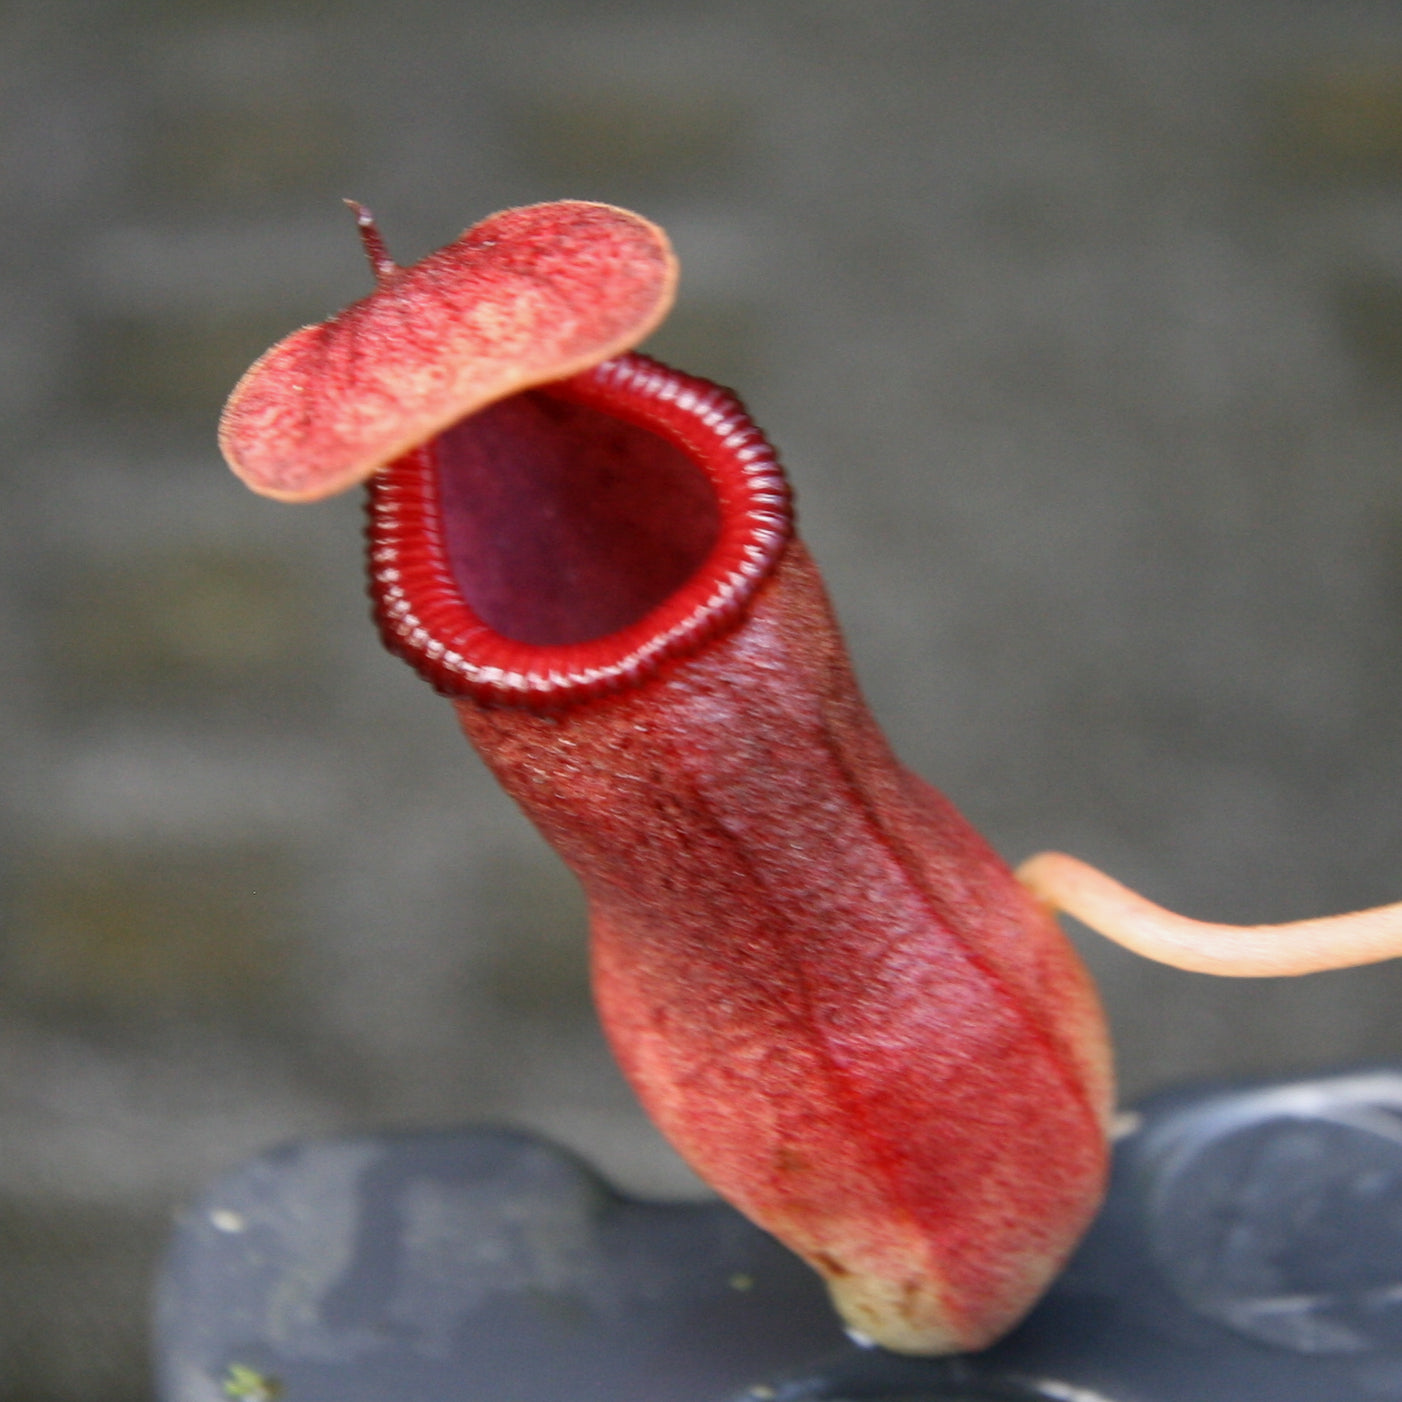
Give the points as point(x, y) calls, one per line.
point(1234, 951)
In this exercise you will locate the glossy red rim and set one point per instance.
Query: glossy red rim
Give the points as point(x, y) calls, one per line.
point(423, 617)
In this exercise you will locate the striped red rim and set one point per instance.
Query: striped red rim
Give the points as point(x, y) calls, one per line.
point(420, 609)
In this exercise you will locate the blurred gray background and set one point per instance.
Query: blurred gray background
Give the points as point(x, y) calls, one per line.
point(1079, 327)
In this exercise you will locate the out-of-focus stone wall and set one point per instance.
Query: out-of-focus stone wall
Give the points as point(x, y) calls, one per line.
point(1079, 325)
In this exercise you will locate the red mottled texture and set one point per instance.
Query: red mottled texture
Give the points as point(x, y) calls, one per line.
point(527, 296)
point(829, 992)
point(826, 988)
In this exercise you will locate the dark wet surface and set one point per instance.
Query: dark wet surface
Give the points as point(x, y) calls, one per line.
point(1249, 1249)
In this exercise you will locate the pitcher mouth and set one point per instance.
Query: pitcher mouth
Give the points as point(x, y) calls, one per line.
point(569, 540)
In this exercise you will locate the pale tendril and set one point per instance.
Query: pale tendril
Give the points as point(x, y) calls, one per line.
point(1200, 946)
